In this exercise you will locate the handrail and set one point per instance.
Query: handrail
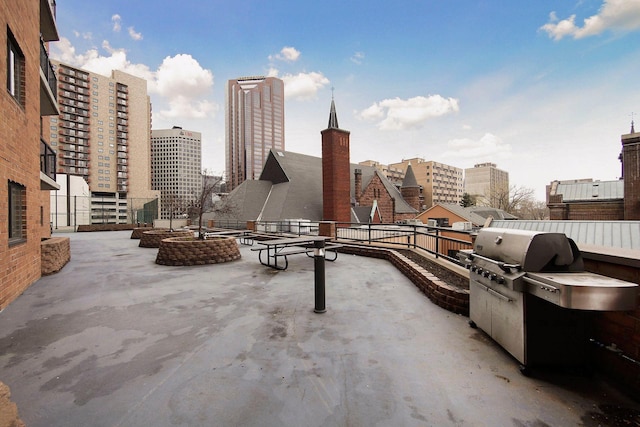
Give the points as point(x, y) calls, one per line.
point(442, 242)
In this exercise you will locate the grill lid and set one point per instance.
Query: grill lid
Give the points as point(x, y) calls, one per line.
point(530, 250)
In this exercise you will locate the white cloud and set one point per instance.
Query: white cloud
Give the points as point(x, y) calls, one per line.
point(182, 75)
point(181, 107)
point(398, 114)
point(117, 23)
point(301, 86)
point(180, 81)
point(488, 148)
point(617, 15)
point(357, 58)
point(287, 54)
point(134, 35)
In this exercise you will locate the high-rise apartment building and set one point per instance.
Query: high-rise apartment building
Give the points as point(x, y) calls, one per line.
point(103, 134)
point(440, 183)
point(176, 165)
point(254, 123)
point(27, 162)
point(486, 183)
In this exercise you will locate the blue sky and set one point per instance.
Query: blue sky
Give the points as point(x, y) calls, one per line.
point(544, 89)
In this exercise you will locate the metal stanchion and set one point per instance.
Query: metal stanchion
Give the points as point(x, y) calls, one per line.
point(318, 264)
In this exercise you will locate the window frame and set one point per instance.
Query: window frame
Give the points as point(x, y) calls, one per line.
point(17, 221)
point(15, 69)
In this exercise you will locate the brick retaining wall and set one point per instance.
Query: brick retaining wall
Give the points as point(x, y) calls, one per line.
point(442, 294)
point(55, 253)
point(192, 251)
point(152, 239)
point(106, 227)
point(137, 232)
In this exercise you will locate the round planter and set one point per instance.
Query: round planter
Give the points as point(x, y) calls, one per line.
point(151, 239)
point(137, 232)
point(191, 251)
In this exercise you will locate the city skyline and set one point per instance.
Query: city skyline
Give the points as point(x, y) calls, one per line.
point(542, 90)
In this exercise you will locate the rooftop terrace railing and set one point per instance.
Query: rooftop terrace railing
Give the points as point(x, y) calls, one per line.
point(442, 242)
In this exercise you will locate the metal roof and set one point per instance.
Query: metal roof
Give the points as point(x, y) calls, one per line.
point(477, 214)
point(596, 190)
point(612, 234)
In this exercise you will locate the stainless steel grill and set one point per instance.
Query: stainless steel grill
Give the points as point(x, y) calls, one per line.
point(530, 293)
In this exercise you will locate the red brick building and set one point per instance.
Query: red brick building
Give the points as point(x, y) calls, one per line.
point(27, 163)
point(601, 200)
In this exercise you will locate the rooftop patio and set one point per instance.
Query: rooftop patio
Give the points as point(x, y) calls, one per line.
point(116, 340)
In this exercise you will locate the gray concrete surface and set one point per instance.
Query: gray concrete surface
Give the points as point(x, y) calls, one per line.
point(116, 340)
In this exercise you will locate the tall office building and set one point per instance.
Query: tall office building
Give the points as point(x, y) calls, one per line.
point(103, 135)
point(254, 123)
point(440, 183)
point(486, 183)
point(176, 165)
point(27, 162)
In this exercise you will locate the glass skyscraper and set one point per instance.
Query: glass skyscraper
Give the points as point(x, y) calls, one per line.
point(254, 123)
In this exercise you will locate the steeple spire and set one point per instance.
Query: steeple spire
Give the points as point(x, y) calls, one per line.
point(632, 130)
point(333, 117)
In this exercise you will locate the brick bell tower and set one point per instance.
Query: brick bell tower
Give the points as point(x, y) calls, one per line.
point(630, 157)
point(336, 173)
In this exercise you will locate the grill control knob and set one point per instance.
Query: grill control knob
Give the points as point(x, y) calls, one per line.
point(493, 276)
point(479, 270)
point(486, 273)
point(500, 280)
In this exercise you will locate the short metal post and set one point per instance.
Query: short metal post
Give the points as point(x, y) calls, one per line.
point(318, 264)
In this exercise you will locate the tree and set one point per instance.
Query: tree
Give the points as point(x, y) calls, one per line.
point(203, 199)
point(533, 209)
point(173, 203)
point(467, 200)
point(511, 199)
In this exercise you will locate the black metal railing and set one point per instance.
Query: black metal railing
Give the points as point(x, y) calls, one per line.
point(47, 160)
point(439, 241)
point(47, 69)
point(442, 242)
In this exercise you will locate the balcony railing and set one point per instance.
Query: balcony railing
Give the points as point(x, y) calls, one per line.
point(47, 69)
point(47, 160)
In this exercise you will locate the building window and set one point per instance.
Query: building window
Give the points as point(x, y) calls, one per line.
point(15, 70)
point(17, 213)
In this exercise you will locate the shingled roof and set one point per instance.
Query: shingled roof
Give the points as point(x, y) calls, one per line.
point(290, 187)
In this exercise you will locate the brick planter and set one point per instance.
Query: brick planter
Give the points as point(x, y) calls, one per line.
point(137, 232)
point(152, 239)
point(446, 296)
point(192, 251)
point(55, 253)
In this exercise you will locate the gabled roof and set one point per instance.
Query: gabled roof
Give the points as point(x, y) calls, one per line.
point(477, 215)
point(588, 191)
point(290, 187)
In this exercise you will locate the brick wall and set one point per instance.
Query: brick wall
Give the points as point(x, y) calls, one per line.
point(106, 227)
point(598, 211)
point(376, 190)
point(336, 176)
point(20, 151)
point(631, 171)
point(442, 294)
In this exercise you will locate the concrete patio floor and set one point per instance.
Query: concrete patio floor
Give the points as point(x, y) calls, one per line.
point(116, 340)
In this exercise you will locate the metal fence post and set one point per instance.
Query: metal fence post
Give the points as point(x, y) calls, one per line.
point(318, 264)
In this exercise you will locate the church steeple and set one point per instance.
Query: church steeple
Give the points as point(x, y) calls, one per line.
point(336, 171)
point(333, 117)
